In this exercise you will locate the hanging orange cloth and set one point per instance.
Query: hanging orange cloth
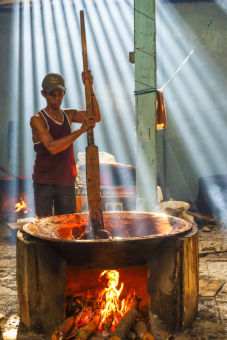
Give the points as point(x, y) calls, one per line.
point(161, 119)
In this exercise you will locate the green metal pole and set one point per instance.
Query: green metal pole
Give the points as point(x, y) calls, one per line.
point(145, 73)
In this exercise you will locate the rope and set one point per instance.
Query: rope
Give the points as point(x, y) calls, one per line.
point(145, 85)
point(137, 93)
point(145, 52)
point(150, 90)
point(208, 25)
point(139, 11)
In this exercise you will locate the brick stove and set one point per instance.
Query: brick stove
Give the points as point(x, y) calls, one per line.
point(156, 256)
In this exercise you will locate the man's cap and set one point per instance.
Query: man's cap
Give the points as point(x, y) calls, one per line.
point(53, 81)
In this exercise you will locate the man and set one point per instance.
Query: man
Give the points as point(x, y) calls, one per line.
point(54, 170)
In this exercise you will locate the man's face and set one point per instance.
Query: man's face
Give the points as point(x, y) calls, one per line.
point(54, 98)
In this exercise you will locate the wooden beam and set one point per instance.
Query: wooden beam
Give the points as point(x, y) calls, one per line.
point(41, 281)
point(173, 283)
point(145, 80)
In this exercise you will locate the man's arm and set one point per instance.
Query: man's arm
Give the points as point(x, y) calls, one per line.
point(40, 134)
point(79, 116)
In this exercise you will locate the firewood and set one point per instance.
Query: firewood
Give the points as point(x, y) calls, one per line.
point(124, 326)
point(206, 252)
point(73, 305)
point(141, 331)
point(72, 334)
point(127, 321)
point(133, 304)
point(107, 323)
point(131, 335)
point(85, 331)
point(63, 329)
point(85, 311)
point(98, 337)
point(202, 217)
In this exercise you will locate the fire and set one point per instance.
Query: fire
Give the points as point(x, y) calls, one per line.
point(114, 309)
point(22, 205)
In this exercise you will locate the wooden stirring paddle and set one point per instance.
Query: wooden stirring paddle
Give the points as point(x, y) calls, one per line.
point(96, 224)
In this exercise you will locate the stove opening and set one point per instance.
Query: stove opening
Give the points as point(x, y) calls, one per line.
point(105, 297)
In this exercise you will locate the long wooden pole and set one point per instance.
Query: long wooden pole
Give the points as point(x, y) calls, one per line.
point(96, 223)
point(145, 72)
point(90, 134)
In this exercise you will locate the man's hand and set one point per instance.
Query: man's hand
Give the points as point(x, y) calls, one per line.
point(88, 122)
point(79, 116)
point(87, 75)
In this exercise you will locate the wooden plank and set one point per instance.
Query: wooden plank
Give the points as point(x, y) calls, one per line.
point(190, 278)
point(220, 257)
point(173, 283)
point(41, 281)
point(209, 287)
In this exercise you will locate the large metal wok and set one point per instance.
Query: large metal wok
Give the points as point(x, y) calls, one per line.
point(136, 235)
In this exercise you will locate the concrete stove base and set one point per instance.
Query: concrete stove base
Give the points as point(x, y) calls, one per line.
point(172, 284)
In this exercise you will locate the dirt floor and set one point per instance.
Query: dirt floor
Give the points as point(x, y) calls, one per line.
point(211, 322)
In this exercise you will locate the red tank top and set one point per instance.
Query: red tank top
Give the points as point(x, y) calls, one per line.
point(58, 169)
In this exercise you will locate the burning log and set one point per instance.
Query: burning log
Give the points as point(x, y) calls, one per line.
point(84, 317)
point(141, 331)
point(131, 336)
point(74, 304)
point(77, 303)
point(64, 328)
point(85, 331)
point(127, 321)
point(98, 337)
point(107, 323)
point(124, 326)
point(133, 304)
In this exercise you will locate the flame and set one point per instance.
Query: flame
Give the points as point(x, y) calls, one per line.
point(113, 306)
point(21, 205)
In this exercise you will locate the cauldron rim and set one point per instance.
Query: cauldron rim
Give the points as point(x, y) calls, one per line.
point(187, 226)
